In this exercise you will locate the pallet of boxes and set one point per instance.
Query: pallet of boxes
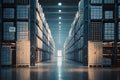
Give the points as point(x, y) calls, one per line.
point(23, 53)
point(95, 57)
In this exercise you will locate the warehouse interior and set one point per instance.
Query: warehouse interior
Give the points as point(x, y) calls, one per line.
point(60, 18)
point(59, 39)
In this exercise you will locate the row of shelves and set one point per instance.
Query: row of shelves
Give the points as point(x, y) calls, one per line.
point(40, 42)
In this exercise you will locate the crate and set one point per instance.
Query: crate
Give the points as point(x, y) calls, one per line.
point(22, 53)
point(95, 51)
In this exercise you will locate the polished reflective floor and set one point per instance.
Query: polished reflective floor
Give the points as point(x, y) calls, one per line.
point(59, 69)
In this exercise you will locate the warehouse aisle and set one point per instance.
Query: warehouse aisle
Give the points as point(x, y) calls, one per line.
point(60, 69)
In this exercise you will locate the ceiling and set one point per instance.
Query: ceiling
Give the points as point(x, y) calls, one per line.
point(52, 14)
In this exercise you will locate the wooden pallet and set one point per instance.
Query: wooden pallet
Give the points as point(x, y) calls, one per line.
point(95, 65)
point(23, 66)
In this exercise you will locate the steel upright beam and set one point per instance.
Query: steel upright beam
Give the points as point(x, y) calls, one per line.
point(115, 37)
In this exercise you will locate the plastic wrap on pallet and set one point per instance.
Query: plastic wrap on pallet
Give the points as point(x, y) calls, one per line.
point(37, 5)
point(81, 11)
point(41, 13)
point(40, 33)
point(75, 19)
point(42, 16)
point(40, 9)
point(39, 21)
point(71, 31)
point(81, 7)
point(39, 43)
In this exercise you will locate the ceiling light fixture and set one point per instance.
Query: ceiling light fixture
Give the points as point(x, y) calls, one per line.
point(59, 4)
point(60, 11)
point(60, 18)
point(59, 22)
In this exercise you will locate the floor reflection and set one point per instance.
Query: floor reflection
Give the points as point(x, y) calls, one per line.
point(6, 74)
point(59, 65)
point(104, 74)
point(59, 70)
point(23, 74)
point(95, 74)
point(59, 61)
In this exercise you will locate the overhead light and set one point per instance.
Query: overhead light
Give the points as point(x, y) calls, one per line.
point(60, 10)
point(59, 22)
point(60, 18)
point(59, 4)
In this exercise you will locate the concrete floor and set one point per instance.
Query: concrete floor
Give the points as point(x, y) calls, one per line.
point(60, 70)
